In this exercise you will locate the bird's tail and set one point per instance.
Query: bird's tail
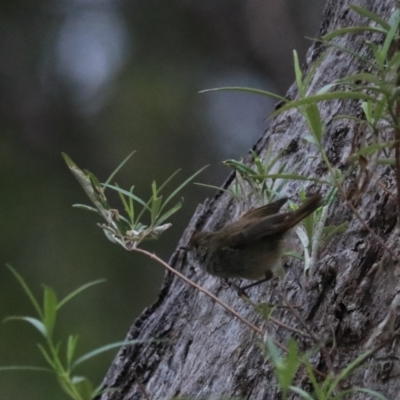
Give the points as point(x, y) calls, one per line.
point(310, 205)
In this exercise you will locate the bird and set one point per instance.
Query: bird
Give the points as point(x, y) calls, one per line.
point(251, 247)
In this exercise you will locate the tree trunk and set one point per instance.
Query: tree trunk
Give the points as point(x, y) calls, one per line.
point(206, 352)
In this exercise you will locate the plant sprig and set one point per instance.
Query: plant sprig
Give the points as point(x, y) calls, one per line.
point(59, 356)
point(130, 229)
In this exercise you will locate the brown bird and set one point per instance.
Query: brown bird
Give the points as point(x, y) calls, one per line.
point(250, 247)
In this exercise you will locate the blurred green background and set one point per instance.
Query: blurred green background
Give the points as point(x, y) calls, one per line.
point(97, 79)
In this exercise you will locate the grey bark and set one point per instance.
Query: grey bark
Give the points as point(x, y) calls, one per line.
point(206, 352)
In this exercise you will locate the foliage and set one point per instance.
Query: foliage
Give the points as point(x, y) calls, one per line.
point(326, 389)
point(60, 356)
point(129, 230)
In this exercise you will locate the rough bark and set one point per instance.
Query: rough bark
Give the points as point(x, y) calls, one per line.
point(206, 352)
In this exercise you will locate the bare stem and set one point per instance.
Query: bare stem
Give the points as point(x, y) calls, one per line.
point(207, 293)
point(355, 211)
point(141, 386)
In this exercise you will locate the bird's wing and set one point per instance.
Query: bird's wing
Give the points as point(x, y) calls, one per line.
point(254, 231)
point(275, 225)
point(265, 211)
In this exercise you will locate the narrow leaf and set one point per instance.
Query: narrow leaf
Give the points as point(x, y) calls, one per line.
point(71, 346)
point(371, 392)
point(111, 177)
point(86, 208)
point(84, 387)
point(246, 90)
point(180, 187)
point(352, 29)
point(168, 213)
point(394, 22)
point(301, 392)
point(33, 321)
point(128, 194)
point(371, 16)
point(25, 368)
point(298, 74)
point(47, 357)
point(49, 309)
point(105, 348)
point(26, 290)
point(168, 180)
point(79, 290)
point(323, 97)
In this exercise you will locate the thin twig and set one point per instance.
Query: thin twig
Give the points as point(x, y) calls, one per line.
point(353, 209)
point(384, 187)
point(288, 327)
point(141, 386)
point(375, 236)
point(316, 339)
point(207, 293)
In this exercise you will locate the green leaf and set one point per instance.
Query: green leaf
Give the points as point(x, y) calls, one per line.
point(310, 139)
point(327, 88)
point(323, 97)
point(227, 191)
point(349, 117)
point(273, 352)
point(155, 203)
point(291, 365)
point(84, 387)
point(362, 76)
point(26, 290)
point(314, 121)
point(105, 348)
point(393, 64)
point(294, 254)
point(294, 177)
point(311, 377)
point(330, 231)
point(128, 194)
point(47, 357)
point(87, 208)
point(301, 392)
point(357, 56)
point(394, 26)
point(49, 309)
point(386, 161)
point(246, 90)
point(180, 187)
point(33, 321)
point(168, 180)
point(170, 212)
point(111, 177)
point(352, 29)
point(371, 392)
point(239, 167)
point(68, 161)
point(79, 290)
point(71, 346)
point(128, 207)
point(345, 373)
point(85, 181)
point(25, 368)
point(95, 182)
point(371, 16)
point(371, 149)
point(298, 74)
point(257, 162)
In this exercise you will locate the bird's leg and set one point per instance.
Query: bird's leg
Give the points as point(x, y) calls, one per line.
point(242, 291)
